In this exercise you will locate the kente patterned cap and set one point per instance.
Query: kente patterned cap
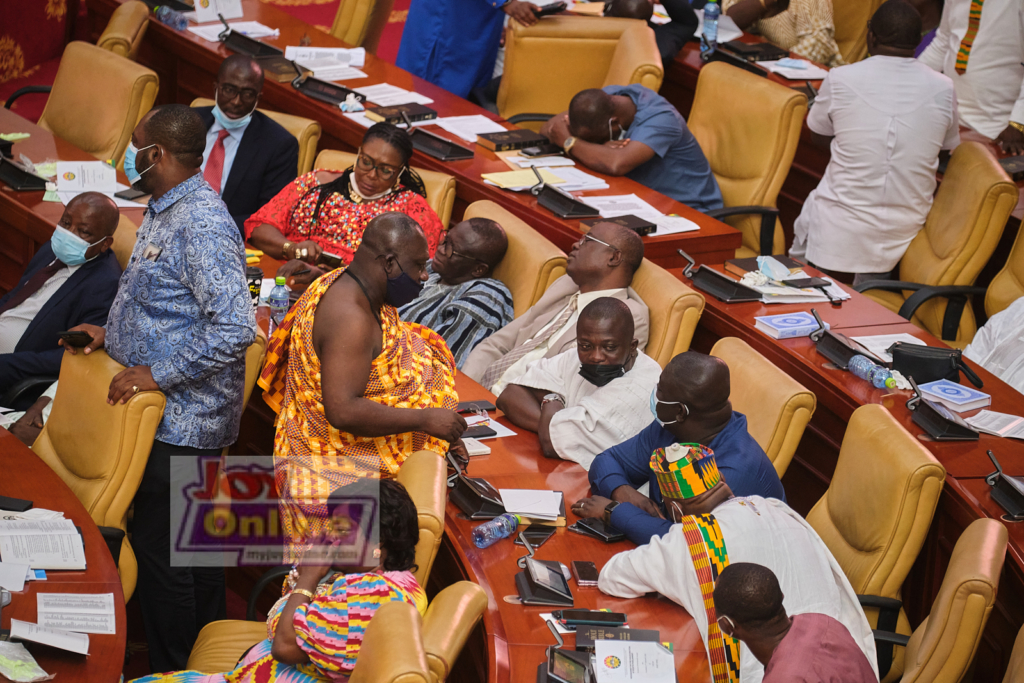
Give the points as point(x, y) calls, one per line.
point(685, 470)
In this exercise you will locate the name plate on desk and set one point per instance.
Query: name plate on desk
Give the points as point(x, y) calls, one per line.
point(477, 498)
point(437, 147)
point(563, 204)
point(20, 179)
point(324, 91)
point(542, 583)
point(243, 44)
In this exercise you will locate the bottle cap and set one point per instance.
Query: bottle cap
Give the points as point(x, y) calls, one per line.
point(280, 280)
point(890, 383)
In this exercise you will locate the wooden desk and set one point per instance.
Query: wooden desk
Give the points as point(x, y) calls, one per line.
point(28, 477)
point(187, 66)
point(26, 221)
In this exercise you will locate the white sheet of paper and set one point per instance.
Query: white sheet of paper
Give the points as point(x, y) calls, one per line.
point(811, 73)
point(65, 640)
point(623, 660)
point(468, 127)
point(379, 90)
point(79, 623)
point(402, 98)
point(36, 513)
point(42, 527)
point(355, 56)
point(998, 424)
point(85, 176)
point(66, 197)
point(78, 603)
point(13, 576)
point(579, 181)
point(328, 69)
point(621, 205)
point(878, 343)
point(670, 225)
point(253, 29)
point(360, 118)
point(727, 28)
point(535, 503)
point(500, 429)
point(63, 551)
point(207, 10)
point(541, 162)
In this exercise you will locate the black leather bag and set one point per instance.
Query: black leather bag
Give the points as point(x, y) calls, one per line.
point(929, 364)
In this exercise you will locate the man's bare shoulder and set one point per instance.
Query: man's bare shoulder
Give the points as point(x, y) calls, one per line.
point(344, 304)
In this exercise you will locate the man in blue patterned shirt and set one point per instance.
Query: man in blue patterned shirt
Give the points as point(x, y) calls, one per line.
point(181, 323)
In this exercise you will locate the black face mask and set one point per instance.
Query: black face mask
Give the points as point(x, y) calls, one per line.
point(599, 375)
point(402, 289)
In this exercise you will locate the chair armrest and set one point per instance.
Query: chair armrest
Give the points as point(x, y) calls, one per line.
point(526, 117)
point(891, 638)
point(27, 90)
point(768, 217)
point(923, 294)
point(888, 285)
point(888, 616)
point(39, 383)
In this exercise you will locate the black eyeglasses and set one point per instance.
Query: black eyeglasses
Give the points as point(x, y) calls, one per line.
point(230, 92)
point(368, 164)
point(448, 249)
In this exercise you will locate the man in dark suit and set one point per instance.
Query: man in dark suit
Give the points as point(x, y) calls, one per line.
point(249, 157)
point(71, 280)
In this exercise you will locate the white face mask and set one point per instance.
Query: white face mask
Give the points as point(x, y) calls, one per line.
point(354, 189)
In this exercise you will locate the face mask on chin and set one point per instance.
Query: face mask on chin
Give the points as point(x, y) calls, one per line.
point(227, 122)
point(600, 375)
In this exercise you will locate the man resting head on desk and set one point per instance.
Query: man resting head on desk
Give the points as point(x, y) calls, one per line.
point(601, 263)
point(691, 406)
point(590, 398)
point(630, 130)
point(712, 529)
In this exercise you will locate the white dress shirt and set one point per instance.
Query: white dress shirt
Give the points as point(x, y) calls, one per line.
point(991, 91)
point(755, 529)
point(890, 117)
point(999, 345)
point(231, 142)
point(519, 367)
point(14, 322)
point(594, 418)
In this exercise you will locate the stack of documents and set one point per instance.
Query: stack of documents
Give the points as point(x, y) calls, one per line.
point(549, 162)
point(630, 204)
point(76, 177)
point(777, 292)
point(998, 424)
point(468, 127)
point(54, 637)
point(330, 69)
point(521, 180)
point(878, 344)
point(253, 29)
point(42, 544)
point(387, 95)
point(535, 504)
point(794, 69)
point(578, 181)
point(355, 56)
point(78, 612)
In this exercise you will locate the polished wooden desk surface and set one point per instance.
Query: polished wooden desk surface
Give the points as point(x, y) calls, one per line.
point(29, 478)
point(516, 462)
point(187, 66)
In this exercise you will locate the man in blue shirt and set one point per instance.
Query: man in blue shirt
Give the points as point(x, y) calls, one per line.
point(629, 130)
point(690, 405)
point(181, 323)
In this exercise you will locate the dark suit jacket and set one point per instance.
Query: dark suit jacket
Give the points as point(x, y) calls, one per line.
point(267, 159)
point(85, 297)
point(672, 36)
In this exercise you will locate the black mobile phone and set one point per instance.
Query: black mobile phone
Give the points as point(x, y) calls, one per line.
point(546, 149)
point(479, 431)
point(563, 668)
point(130, 194)
point(551, 9)
point(585, 573)
point(537, 536)
point(78, 339)
point(807, 282)
point(471, 406)
point(329, 259)
point(598, 529)
point(586, 617)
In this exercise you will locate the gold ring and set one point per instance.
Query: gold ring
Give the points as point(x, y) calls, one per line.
point(135, 390)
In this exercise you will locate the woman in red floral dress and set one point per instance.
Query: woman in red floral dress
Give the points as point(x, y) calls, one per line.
point(326, 211)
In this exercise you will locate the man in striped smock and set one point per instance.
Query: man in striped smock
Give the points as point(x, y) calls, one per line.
point(461, 301)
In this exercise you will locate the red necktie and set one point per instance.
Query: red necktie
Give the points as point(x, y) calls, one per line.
point(215, 164)
point(32, 286)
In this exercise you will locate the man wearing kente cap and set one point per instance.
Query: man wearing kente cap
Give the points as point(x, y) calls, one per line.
point(690, 405)
point(710, 529)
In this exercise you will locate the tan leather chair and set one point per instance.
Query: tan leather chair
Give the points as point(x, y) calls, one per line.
point(548, 63)
point(222, 643)
point(449, 620)
point(124, 240)
point(850, 19)
point(674, 311)
point(360, 23)
point(392, 649)
point(423, 474)
point(1015, 671)
point(966, 220)
point(748, 128)
point(943, 646)
point(97, 99)
point(306, 131)
point(100, 451)
point(777, 407)
point(876, 512)
point(531, 263)
point(124, 32)
point(1008, 284)
point(440, 186)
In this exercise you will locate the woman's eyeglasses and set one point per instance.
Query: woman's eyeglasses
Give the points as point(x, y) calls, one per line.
point(367, 164)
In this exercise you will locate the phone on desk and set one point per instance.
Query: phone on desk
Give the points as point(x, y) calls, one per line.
point(802, 282)
point(473, 406)
point(585, 573)
point(598, 529)
point(546, 149)
point(551, 9)
point(131, 194)
point(537, 536)
point(565, 668)
point(479, 431)
point(76, 338)
point(587, 617)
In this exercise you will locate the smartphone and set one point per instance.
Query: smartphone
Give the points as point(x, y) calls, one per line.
point(551, 9)
point(471, 406)
point(586, 617)
point(598, 529)
point(563, 668)
point(130, 194)
point(329, 259)
point(78, 339)
point(546, 149)
point(537, 536)
point(807, 282)
point(479, 431)
point(585, 573)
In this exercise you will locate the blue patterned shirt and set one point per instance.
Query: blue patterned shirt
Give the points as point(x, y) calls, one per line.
point(187, 314)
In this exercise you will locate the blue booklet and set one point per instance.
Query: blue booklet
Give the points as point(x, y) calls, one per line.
point(955, 396)
point(787, 325)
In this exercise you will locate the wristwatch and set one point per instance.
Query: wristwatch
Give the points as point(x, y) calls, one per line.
point(567, 145)
point(608, 510)
point(552, 397)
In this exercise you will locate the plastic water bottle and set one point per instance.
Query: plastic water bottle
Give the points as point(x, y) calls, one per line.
point(278, 300)
point(496, 529)
point(712, 11)
point(172, 18)
point(867, 369)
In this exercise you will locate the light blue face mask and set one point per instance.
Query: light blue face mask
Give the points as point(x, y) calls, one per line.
point(129, 162)
point(654, 408)
point(70, 248)
point(611, 135)
point(225, 121)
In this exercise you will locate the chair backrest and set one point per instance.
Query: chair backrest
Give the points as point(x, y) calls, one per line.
point(100, 451)
point(98, 97)
point(124, 32)
point(943, 646)
point(306, 131)
point(392, 648)
point(531, 263)
point(423, 474)
point(124, 240)
point(777, 407)
point(850, 19)
point(674, 311)
point(963, 227)
point(878, 507)
point(361, 22)
point(1015, 671)
point(748, 128)
point(548, 63)
point(440, 186)
point(1008, 284)
point(449, 620)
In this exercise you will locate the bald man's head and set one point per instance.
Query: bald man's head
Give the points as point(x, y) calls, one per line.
point(607, 257)
point(589, 114)
point(749, 605)
point(631, 9)
point(698, 380)
point(613, 311)
point(93, 218)
point(99, 208)
point(393, 233)
point(239, 84)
